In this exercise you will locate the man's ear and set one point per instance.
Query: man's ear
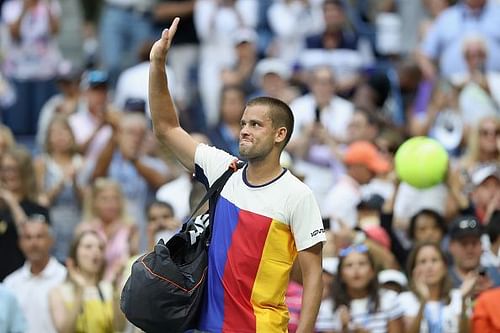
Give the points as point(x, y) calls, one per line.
point(280, 136)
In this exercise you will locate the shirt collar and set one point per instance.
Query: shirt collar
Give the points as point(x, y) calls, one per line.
point(47, 272)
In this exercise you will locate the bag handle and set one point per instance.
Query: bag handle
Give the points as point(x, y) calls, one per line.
point(218, 185)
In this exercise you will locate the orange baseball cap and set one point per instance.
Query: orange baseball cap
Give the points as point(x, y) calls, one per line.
point(366, 153)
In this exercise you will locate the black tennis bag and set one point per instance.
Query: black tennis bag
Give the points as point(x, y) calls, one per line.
point(165, 288)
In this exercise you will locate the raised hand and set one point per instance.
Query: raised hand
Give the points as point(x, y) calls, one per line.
point(421, 287)
point(162, 45)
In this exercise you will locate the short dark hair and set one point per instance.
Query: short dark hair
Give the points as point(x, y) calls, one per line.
point(159, 203)
point(441, 223)
point(280, 113)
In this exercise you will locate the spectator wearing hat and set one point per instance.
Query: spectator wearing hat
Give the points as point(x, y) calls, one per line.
point(40, 273)
point(363, 162)
point(465, 248)
point(65, 103)
point(240, 72)
point(393, 279)
point(92, 123)
point(485, 195)
point(272, 78)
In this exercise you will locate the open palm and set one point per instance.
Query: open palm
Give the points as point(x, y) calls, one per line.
point(162, 45)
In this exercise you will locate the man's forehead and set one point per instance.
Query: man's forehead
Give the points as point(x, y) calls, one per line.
point(256, 112)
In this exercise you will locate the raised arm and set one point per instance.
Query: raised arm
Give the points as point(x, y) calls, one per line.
point(163, 114)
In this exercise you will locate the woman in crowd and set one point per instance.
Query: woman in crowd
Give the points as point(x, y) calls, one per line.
point(18, 200)
point(105, 214)
point(56, 172)
point(85, 302)
point(482, 144)
point(432, 305)
point(358, 304)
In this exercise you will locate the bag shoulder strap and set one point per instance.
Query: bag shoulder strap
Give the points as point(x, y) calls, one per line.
point(218, 185)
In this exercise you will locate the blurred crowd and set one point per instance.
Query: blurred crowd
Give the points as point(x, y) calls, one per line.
point(85, 187)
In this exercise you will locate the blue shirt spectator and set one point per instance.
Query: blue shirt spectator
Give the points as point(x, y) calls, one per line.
point(11, 317)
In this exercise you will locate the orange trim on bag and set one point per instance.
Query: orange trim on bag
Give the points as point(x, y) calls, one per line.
point(171, 282)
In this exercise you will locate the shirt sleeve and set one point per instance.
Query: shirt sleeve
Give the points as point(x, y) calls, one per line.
point(409, 304)
point(306, 223)
point(210, 163)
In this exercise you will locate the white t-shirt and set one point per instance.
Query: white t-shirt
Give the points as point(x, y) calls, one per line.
point(448, 315)
point(32, 293)
point(376, 322)
point(36, 55)
point(256, 233)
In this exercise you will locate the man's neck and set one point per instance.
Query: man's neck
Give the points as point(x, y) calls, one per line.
point(462, 273)
point(262, 171)
point(38, 266)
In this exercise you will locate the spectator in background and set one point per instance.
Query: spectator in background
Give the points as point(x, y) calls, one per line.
point(479, 88)
point(57, 172)
point(41, 272)
point(482, 145)
point(226, 135)
point(336, 34)
point(363, 163)
point(240, 73)
point(18, 194)
point(85, 302)
point(105, 214)
point(465, 249)
point(486, 317)
point(432, 305)
point(364, 125)
point(124, 25)
point(485, 195)
point(7, 140)
point(443, 43)
point(183, 56)
point(92, 123)
point(357, 301)
point(162, 223)
point(133, 81)
point(283, 16)
point(491, 244)
point(65, 103)
point(124, 161)
point(216, 21)
point(272, 77)
point(11, 315)
point(31, 60)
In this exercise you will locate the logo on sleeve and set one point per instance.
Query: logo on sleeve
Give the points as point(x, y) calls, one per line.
point(317, 232)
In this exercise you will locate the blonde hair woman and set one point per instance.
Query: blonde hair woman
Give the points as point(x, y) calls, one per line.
point(85, 302)
point(56, 171)
point(104, 212)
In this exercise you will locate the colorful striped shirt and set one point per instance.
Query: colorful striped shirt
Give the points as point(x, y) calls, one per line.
point(257, 231)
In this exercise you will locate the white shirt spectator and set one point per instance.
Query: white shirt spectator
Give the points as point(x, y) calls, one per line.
point(32, 292)
point(134, 82)
point(449, 314)
point(36, 55)
point(335, 117)
point(283, 17)
point(376, 322)
point(341, 201)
